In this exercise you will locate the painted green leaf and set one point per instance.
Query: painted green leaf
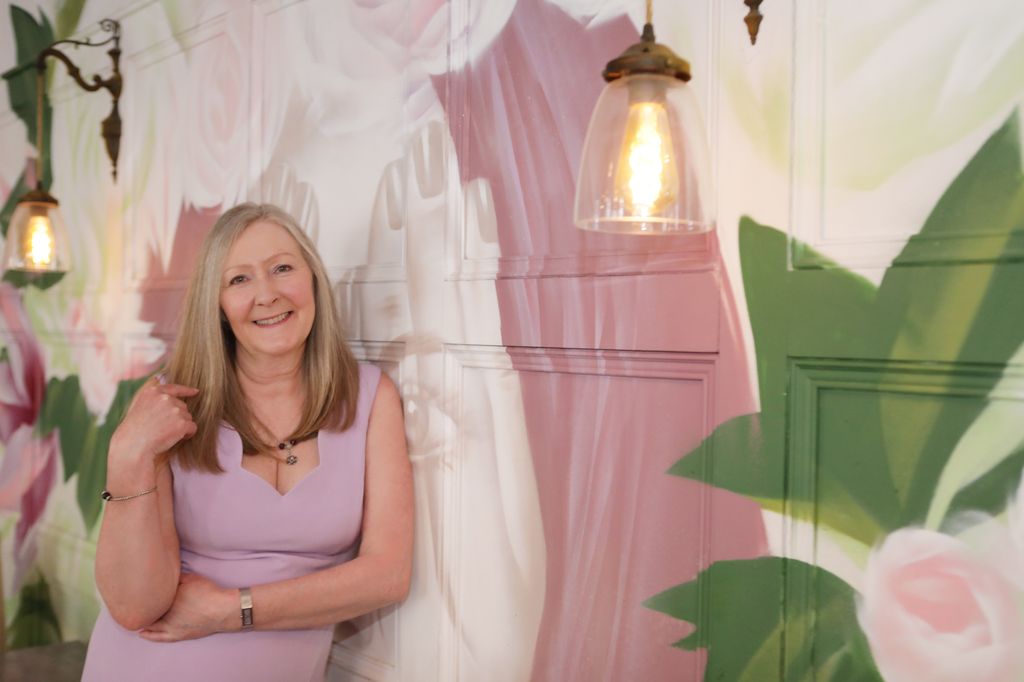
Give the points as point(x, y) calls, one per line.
point(64, 409)
point(747, 454)
point(35, 622)
point(761, 627)
point(83, 442)
point(968, 315)
point(12, 199)
point(67, 17)
point(991, 492)
point(40, 280)
point(877, 452)
point(92, 470)
point(31, 37)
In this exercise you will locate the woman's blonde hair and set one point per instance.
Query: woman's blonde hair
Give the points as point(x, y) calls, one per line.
point(204, 356)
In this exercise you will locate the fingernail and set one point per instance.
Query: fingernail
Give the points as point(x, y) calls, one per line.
point(428, 159)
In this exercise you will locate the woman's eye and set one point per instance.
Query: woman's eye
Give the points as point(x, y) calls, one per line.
point(283, 267)
point(237, 279)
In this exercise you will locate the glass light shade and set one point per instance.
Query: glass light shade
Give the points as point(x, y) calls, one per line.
point(645, 167)
point(36, 238)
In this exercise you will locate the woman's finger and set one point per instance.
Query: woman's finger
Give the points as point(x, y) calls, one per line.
point(179, 391)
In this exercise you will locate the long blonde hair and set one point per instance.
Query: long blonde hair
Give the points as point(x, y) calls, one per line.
point(204, 356)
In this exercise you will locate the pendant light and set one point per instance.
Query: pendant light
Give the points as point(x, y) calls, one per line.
point(645, 167)
point(36, 239)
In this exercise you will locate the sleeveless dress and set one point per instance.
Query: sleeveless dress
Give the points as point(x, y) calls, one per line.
point(237, 530)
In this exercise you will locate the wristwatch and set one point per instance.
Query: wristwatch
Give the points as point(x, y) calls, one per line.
point(245, 595)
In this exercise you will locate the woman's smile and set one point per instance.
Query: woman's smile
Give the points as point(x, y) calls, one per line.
point(273, 321)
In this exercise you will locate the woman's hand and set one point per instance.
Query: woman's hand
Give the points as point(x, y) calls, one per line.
point(156, 420)
point(200, 608)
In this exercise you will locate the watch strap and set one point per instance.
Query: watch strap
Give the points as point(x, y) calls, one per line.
point(245, 597)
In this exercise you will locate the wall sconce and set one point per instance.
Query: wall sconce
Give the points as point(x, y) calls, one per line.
point(36, 239)
point(645, 167)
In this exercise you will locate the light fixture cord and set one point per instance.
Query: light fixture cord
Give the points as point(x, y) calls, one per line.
point(650, 11)
point(40, 84)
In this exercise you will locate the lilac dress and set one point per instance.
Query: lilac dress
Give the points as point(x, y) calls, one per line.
point(237, 530)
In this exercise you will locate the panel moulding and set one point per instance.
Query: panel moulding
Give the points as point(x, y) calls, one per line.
point(813, 228)
point(683, 367)
point(809, 225)
point(809, 379)
point(383, 626)
point(379, 352)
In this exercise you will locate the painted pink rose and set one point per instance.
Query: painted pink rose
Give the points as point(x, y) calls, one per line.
point(218, 119)
point(28, 470)
point(28, 474)
point(102, 362)
point(22, 378)
point(933, 611)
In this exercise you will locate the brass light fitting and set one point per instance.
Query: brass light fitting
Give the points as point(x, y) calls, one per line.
point(36, 241)
point(753, 19)
point(647, 56)
point(645, 167)
point(111, 126)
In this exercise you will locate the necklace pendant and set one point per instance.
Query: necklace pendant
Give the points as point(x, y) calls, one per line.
point(291, 459)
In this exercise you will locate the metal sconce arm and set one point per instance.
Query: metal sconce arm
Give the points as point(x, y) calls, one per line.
point(111, 126)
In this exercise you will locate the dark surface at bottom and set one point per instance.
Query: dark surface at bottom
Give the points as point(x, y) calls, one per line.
point(53, 663)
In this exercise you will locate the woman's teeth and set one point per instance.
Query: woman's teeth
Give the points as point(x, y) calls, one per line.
point(272, 320)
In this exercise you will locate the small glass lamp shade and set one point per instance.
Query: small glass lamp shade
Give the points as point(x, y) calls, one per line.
point(36, 238)
point(645, 167)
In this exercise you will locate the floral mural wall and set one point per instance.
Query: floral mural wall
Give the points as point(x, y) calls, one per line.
point(788, 449)
point(906, 525)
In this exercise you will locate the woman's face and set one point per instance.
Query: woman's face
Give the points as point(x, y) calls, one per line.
point(267, 293)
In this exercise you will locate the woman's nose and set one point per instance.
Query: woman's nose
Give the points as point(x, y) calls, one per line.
point(266, 291)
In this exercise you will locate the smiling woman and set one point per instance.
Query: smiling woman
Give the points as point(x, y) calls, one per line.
point(267, 300)
point(264, 485)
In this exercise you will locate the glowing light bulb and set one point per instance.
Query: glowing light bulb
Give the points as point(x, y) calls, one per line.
point(646, 178)
point(36, 239)
point(39, 242)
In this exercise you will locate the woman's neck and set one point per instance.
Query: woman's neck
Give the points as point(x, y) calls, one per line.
point(271, 378)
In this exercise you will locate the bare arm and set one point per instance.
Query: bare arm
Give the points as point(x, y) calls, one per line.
point(378, 576)
point(137, 560)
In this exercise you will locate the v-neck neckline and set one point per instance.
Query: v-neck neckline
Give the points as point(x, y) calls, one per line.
point(237, 458)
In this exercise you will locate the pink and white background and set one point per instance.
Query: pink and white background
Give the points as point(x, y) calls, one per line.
point(551, 377)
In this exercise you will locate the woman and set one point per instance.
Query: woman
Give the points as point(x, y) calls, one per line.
point(262, 492)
